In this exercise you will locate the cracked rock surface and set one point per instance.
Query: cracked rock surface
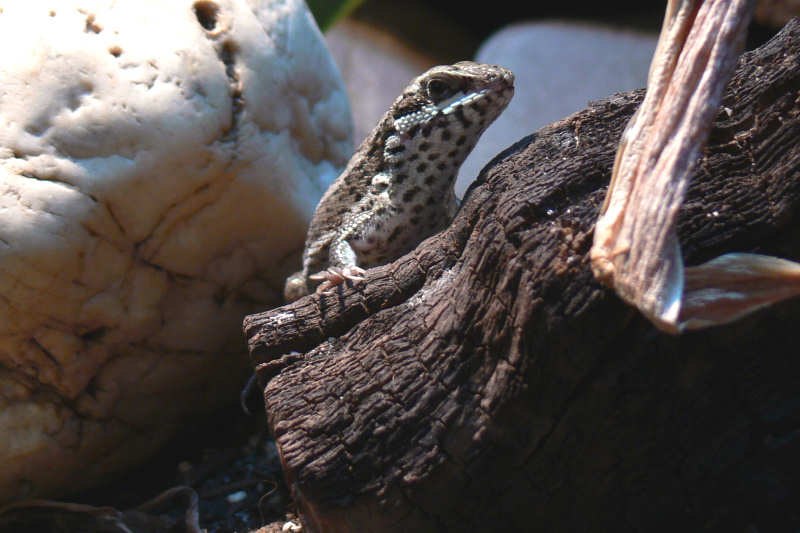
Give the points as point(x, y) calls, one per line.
point(159, 162)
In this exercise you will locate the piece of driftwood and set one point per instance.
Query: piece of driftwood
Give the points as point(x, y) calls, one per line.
point(487, 381)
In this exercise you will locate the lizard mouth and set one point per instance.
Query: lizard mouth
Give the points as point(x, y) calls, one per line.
point(460, 99)
point(499, 87)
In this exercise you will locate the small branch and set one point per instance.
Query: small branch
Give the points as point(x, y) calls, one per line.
point(636, 250)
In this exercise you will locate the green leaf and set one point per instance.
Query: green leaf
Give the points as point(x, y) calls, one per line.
point(326, 12)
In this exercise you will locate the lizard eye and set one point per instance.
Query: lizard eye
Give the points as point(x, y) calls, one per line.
point(437, 89)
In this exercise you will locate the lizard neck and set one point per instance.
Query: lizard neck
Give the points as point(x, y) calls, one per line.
point(422, 159)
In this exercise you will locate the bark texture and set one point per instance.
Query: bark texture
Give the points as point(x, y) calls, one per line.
point(487, 382)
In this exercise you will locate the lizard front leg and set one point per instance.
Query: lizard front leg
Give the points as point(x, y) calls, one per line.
point(360, 235)
point(342, 267)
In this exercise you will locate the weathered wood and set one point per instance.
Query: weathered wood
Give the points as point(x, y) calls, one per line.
point(487, 382)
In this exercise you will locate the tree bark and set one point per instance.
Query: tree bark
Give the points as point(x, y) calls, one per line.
point(487, 382)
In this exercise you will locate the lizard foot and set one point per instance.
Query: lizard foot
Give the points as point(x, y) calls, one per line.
point(334, 276)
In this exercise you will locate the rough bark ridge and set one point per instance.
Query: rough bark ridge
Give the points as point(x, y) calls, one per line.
point(487, 382)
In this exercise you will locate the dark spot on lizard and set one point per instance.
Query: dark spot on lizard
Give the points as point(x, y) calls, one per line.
point(424, 147)
point(422, 167)
point(480, 109)
point(414, 221)
point(396, 149)
point(461, 118)
point(446, 135)
point(461, 140)
point(409, 194)
point(413, 157)
point(433, 156)
point(426, 131)
point(417, 209)
point(430, 179)
point(441, 166)
point(413, 131)
point(400, 178)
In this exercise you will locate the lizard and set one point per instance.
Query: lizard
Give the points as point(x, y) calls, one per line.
point(398, 187)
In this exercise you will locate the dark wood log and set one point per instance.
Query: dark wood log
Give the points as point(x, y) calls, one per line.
point(486, 381)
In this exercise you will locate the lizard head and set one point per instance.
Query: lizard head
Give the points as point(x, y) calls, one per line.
point(459, 100)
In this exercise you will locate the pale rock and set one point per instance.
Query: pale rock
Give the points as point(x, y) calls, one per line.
point(159, 162)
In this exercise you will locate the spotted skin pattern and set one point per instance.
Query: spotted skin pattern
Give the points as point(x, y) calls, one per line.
point(397, 189)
